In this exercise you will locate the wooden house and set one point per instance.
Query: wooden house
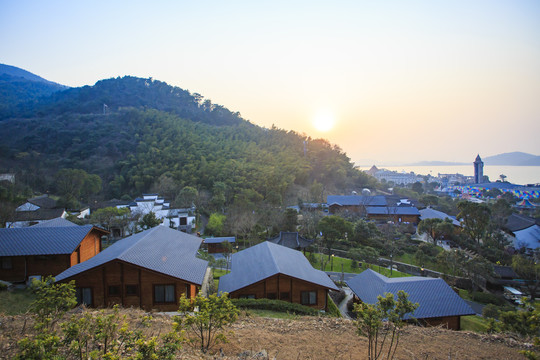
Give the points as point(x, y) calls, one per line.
point(396, 214)
point(438, 304)
point(150, 270)
point(215, 245)
point(46, 249)
point(272, 271)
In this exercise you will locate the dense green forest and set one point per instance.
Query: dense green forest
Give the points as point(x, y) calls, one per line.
point(155, 137)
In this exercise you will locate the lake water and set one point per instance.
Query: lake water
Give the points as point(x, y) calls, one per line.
point(515, 174)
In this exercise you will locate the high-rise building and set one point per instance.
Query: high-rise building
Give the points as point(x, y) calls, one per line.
point(478, 170)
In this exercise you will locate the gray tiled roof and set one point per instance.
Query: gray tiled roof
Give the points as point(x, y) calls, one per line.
point(43, 201)
point(58, 222)
point(434, 296)
point(291, 240)
point(45, 240)
point(429, 213)
point(267, 259)
point(160, 249)
point(392, 210)
point(356, 200)
point(39, 214)
point(219, 240)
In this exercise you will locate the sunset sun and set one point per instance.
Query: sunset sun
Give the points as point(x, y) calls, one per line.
point(324, 120)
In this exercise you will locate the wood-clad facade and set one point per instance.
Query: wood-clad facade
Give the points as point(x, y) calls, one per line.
point(20, 268)
point(286, 288)
point(129, 285)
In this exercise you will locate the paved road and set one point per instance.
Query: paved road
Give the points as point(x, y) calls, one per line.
point(343, 304)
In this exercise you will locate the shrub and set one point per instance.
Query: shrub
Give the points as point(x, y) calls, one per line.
point(333, 310)
point(491, 311)
point(206, 317)
point(274, 305)
point(487, 298)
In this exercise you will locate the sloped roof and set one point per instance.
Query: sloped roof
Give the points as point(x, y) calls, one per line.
point(291, 240)
point(39, 214)
point(516, 222)
point(43, 201)
point(356, 200)
point(527, 238)
point(219, 240)
point(392, 210)
point(504, 272)
point(35, 240)
point(434, 296)
point(267, 259)
point(58, 222)
point(429, 213)
point(160, 249)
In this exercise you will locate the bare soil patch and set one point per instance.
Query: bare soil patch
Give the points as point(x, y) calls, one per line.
point(306, 338)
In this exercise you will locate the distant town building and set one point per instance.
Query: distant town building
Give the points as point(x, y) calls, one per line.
point(478, 170)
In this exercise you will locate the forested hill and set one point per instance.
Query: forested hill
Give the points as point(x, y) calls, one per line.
point(154, 137)
point(19, 86)
point(113, 94)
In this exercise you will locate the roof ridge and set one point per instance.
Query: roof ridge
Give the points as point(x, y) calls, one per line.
point(272, 254)
point(128, 248)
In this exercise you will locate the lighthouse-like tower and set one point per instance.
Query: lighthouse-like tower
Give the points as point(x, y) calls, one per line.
point(478, 170)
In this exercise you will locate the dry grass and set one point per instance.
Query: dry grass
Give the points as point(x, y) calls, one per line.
point(306, 338)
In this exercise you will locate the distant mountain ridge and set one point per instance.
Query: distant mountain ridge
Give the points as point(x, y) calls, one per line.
point(515, 158)
point(21, 73)
point(18, 86)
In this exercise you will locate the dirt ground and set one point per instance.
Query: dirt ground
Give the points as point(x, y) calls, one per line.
point(324, 338)
point(310, 338)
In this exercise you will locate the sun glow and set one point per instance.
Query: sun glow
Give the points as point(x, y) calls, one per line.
point(324, 120)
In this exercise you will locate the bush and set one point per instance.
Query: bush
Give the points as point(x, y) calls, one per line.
point(487, 298)
point(3, 286)
point(333, 310)
point(491, 311)
point(274, 305)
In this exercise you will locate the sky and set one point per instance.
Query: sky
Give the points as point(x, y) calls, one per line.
point(389, 82)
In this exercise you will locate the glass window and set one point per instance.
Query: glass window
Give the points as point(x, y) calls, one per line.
point(164, 294)
point(114, 290)
point(271, 296)
point(6, 263)
point(132, 290)
point(247, 296)
point(284, 295)
point(84, 296)
point(309, 297)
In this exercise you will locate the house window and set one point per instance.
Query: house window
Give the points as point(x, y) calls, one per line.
point(114, 290)
point(309, 297)
point(183, 221)
point(164, 294)
point(6, 263)
point(284, 295)
point(132, 290)
point(84, 296)
point(247, 296)
point(271, 296)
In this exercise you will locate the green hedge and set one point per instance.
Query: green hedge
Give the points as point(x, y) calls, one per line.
point(274, 305)
point(332, 308)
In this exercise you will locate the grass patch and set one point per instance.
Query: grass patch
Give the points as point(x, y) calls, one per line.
point(271, 314)
point(15, 302)
point(474, 323)
point(338, 262)
point(219, 273)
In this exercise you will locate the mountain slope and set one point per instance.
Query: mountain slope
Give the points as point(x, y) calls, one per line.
point(155, 137)
point(110, 95)
point(513, 159)
point(20, 86)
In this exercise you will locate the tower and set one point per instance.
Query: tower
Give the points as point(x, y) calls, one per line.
point(478, 170)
